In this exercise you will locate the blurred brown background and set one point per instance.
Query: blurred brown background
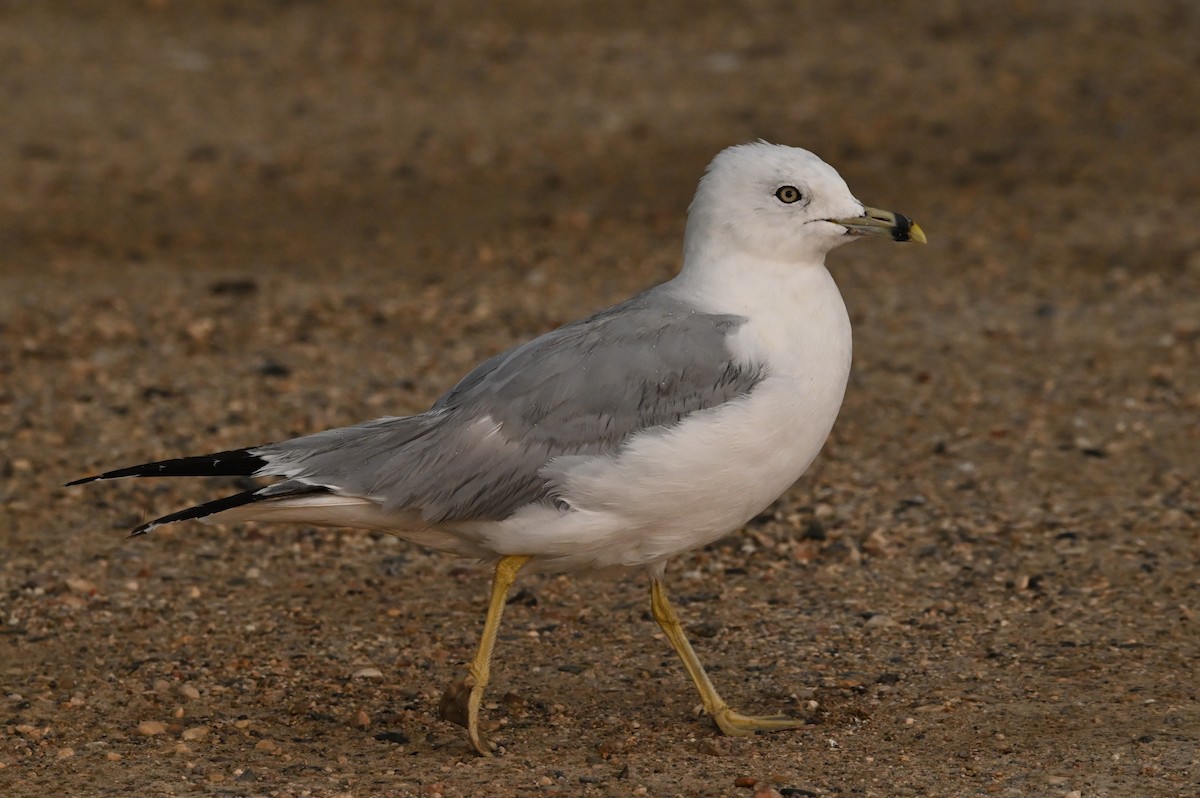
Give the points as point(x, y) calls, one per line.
point(225, 223)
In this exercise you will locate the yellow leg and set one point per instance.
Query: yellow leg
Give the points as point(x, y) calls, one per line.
point(460, 703)
point(728, 721)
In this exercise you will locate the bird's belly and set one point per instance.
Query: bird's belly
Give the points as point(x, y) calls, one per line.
point(673, 490)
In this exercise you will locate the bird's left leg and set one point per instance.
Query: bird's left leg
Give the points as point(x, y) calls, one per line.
point(460, 703)
point(728, 721)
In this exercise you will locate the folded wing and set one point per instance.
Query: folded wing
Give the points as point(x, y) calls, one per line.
point(478, 453)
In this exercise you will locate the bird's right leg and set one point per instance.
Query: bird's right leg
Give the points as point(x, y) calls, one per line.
point(728, 721)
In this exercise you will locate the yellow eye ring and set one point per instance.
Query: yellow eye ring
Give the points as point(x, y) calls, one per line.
point(788, 194)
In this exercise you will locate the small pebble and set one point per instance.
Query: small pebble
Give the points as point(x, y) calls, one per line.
point(399, 738)
point(65, 753)
point(368, 673)
point(149, 728)
point(361, 720)
point(113, 756)
point(194, 733)
point(189, 692)
point(265, 745)
point(745, 781)
point(77, 584)
point(713, 747)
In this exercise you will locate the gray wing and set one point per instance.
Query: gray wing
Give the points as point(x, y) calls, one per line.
point(582, 389)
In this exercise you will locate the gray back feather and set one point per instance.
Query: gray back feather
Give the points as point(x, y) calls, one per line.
point(582, 389)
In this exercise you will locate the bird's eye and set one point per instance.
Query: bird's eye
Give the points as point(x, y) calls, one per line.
point(788, 194)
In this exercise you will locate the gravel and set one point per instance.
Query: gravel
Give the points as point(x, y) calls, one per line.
point(230, 224)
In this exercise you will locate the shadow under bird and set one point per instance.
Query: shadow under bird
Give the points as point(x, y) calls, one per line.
point(639, 433)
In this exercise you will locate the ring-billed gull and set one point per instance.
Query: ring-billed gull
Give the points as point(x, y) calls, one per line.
point(649, 429)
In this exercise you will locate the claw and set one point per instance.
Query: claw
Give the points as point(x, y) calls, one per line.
point(736, 724)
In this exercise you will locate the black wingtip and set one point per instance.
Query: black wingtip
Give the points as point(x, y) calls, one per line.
point(199, 511)
point(233, 463)
point(276, 491)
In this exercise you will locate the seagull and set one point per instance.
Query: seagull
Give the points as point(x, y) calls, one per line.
point(621, 440)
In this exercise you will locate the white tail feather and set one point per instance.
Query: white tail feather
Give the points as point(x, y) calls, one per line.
point(328, 509)
point(324, 509)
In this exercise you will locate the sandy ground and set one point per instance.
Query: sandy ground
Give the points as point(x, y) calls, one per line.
point(228, 223)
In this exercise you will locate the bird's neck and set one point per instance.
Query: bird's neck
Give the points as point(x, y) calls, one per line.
point(721, 280)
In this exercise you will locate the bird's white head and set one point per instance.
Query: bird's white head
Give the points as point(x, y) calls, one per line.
point(779, 203)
